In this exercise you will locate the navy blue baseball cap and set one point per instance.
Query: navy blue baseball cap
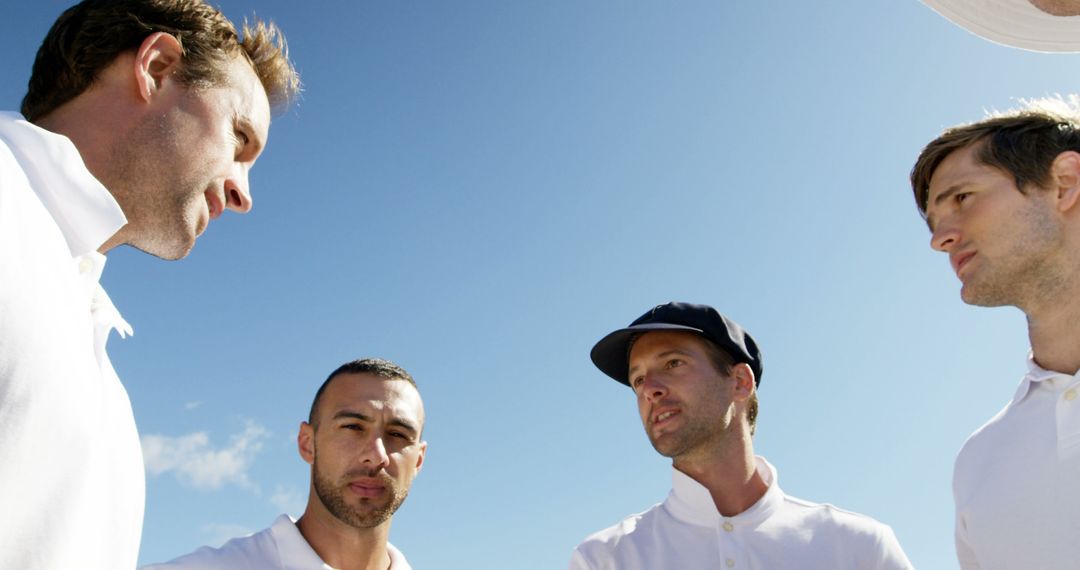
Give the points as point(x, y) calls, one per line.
point(612, 354)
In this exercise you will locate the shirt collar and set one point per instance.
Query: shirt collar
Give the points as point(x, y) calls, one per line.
point(84, 210)
point(1035, 374)
point(690, 501)
point(297, 554)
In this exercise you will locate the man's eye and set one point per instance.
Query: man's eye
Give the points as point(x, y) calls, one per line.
point(636, 381)
point(399, 435)
point(354, 427)
point(960, 197)
point(242, 141)
point(674, 362)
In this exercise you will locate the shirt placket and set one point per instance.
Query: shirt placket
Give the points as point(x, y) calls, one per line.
point(729, 540)
point(1067, 412)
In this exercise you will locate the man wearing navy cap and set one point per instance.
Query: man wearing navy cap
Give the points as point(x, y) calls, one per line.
point(695, 374)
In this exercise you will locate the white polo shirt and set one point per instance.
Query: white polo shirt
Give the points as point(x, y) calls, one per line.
point(72, 483)
point(280, 547)
point(777, 532)
point(1017, 480)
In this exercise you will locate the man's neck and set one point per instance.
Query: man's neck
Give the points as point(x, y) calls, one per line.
point(1052, 325)
point(342, 546)
point(729, 474)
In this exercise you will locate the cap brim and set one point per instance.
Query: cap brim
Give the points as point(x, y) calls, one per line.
point(611, 356)
point(1013, 23)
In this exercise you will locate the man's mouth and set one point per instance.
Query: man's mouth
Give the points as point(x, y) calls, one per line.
point(962, 261)
point(367, 488)
point(662, 417)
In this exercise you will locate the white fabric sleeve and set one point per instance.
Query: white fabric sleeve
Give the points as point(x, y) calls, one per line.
point(578, 562)
point(965, 554)
point(893, 557)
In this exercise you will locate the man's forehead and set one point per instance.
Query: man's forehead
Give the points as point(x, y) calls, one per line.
point(955, 169)
point(363, 391)
point(663, 340)
point(252, 101)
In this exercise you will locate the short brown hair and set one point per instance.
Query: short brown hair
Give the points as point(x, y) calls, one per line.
point(87, 37)
point(1022, 142)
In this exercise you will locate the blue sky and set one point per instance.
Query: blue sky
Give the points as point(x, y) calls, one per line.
point(481, 190)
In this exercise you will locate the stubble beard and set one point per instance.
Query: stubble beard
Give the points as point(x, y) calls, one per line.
point(162, 218)
point(693, 436)
point(332, 496)
point(1030, 271)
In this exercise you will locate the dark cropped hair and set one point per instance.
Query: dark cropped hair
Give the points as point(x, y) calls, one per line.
point(375, 366)
point(87, 37)
point(1022, 142)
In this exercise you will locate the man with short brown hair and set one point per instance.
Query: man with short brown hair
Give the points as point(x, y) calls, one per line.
point(1002, 199)
point(142, 120)
point(364, 442)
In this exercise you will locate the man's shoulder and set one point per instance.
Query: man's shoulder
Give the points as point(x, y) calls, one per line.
point(831, 516)
point(602, 544)
point(986, 441)
point(254, 551)
point(627, 526)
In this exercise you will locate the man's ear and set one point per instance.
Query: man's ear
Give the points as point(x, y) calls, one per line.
point(1065, 180)
point(159, 56)
point(743, 376)
point(420, 457)
point(305, 442)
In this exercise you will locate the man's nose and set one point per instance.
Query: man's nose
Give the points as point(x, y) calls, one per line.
point(653, 387)
point(237, 192)
point(374, 454)
point(944, 237)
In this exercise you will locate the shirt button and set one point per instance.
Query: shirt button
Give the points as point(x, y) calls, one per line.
point(85, 265)
point(729, 527)
point(730, 563)
point(1070, 394)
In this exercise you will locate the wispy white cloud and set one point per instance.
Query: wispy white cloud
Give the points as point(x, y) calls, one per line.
point(289, 501)
point(195, 462)
point(192, 405)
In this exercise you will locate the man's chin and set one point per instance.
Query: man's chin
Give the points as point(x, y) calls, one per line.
point(168, 252)
point(981, 297)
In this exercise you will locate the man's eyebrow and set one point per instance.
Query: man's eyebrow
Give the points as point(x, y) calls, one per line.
point(661, 355)
point(944, 195)
point(404, 424)
point(353, 415)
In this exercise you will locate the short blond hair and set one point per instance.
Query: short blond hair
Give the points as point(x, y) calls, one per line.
point(87, 37)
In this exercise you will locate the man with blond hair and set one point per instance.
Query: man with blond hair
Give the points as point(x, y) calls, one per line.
point(141, 121)
point(1002, 198)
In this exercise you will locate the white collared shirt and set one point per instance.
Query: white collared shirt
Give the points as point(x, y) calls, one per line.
point(280, 547)
point(1017, 480)
point(72, 483)
point(778, 531)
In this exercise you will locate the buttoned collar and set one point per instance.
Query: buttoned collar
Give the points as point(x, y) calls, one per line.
point(1036, 375)
point(690, 502)
point(84, 210)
